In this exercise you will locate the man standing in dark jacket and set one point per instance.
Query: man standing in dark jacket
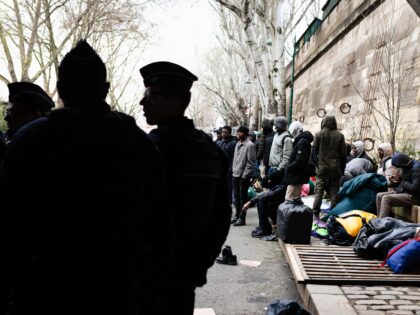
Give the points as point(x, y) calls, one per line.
point(228, 144)
point(330, 151)
point(196, 168)
point(298, 170)
point(80, 205)
point(265, 148)
point(408, 190)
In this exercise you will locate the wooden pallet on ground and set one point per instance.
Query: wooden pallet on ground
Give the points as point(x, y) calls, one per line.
point(319, 263)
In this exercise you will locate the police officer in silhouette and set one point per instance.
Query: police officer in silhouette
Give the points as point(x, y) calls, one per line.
point(196, 170)
point(27, 102)
point(76, 233)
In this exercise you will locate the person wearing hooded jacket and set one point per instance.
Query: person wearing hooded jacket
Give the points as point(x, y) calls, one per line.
point(298, 171)
point(386, 168)
point(282, 146)
point(358, 151)
point(408, 191)
point(330, 151)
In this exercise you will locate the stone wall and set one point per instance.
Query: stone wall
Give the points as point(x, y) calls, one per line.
point(335, 67)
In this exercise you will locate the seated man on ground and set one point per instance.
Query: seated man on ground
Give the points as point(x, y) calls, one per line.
point(408, 191)
point(267, 204)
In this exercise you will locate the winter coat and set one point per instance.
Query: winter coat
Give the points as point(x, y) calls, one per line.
point(410, 177)
point(298, 171)
point(268, 141)
point(359, 194)
point(330, 150)
point(385, 166)
point(79, 204)
point(228, 146)
point(281, 149)
point(196, 165)
point(244, 159)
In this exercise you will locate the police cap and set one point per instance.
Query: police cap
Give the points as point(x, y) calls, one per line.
point(31, 94)
point(167, 74)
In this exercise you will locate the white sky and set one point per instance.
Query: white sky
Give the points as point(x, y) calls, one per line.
point(183, 32)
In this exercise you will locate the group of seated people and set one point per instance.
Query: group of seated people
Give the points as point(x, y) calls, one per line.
point(375, 187)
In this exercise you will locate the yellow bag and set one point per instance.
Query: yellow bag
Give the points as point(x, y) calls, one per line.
point(353, 221)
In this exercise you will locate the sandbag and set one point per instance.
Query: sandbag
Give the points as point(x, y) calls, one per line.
point(343, 229)
point(378, 236)
point(294, 222)
point(405, 257)
point(285, 307)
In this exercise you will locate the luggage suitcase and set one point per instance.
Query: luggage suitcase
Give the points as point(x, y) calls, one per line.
point(294, 222)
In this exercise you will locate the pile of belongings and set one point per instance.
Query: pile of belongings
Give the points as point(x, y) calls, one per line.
point(343, 229)
point(392, 240)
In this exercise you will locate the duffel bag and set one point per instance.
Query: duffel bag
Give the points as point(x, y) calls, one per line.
point(404, 257)
point(343, 229)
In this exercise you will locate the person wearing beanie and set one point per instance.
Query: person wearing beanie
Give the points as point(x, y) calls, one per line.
point(282, 146)
point(196, 170)
point(407, 191)
point(77, 223)
point(298, 171)
point(242, 171)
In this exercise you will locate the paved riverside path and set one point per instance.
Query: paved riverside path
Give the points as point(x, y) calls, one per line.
point(383, 300)
point(243, 289)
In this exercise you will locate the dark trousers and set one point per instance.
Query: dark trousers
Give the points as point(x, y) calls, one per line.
point(332, 186)
point(240, 191)
point(179, 300)
point(267, 208)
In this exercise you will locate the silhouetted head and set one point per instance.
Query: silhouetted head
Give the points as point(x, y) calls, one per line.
point(27, 102)
point(82, 77)
point(167, 92)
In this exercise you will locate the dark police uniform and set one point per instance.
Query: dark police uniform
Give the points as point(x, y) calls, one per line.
point(196, 170)
point(81, 192)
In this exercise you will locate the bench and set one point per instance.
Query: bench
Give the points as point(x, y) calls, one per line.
point(409, 213)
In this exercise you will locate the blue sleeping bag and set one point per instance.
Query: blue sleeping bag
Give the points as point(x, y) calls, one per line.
point(359, 194)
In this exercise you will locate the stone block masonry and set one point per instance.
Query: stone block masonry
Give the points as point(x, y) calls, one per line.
point(383, 300)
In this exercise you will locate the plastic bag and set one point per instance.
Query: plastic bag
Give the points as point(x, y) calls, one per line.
point(377, 237)
point(285, 307)
point(294, 222)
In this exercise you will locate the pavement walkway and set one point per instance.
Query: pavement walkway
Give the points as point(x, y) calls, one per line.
point(359, 300)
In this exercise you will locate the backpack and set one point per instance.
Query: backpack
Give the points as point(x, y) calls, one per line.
point(404, 257)
point(343, 229)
